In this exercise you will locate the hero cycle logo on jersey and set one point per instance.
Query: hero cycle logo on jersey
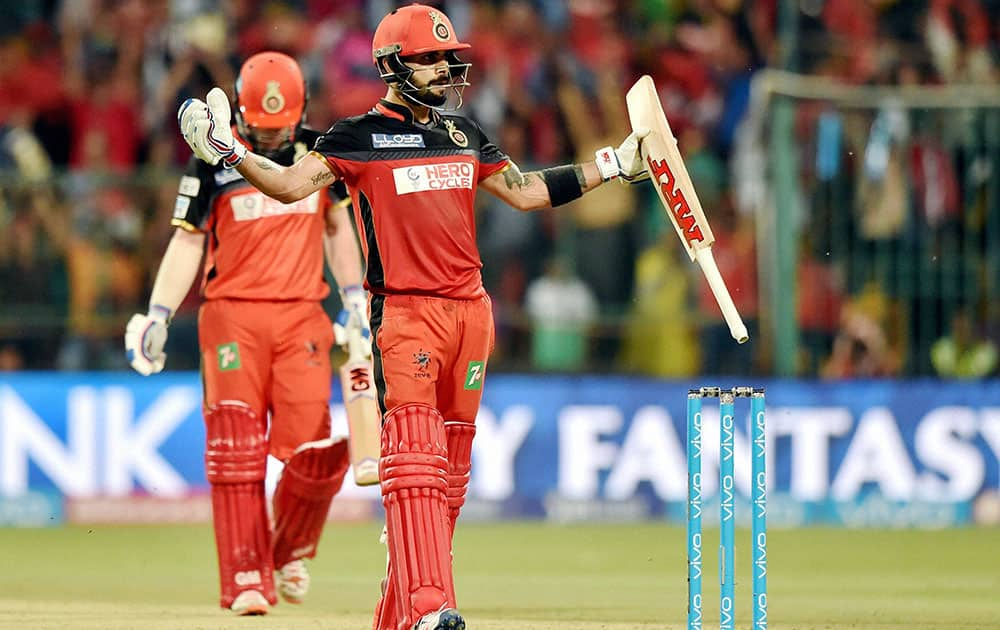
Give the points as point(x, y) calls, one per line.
point(397, 141)
point(425, 177)
point(256, 205)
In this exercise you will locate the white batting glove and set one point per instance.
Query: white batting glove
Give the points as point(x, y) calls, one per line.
point(624, 162)
point(354, 316)
point(205, 126)
point(145, 336)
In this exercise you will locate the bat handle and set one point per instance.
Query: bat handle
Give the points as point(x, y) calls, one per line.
point(354, 342)
point(707, 263)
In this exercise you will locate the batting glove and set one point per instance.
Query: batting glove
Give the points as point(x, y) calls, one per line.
point(145, 336)
point(206, 128)
point(625, 162)
point(354, 316)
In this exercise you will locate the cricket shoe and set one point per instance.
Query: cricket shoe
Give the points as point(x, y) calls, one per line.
point(293, 581)
point(447, 619)
point(249, 603)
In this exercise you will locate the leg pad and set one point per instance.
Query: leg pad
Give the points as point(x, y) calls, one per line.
point(235, 465)
point(413, 471)
point(311, 478)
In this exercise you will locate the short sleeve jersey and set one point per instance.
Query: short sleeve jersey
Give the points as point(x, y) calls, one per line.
point(258, 248)
point(413, 187)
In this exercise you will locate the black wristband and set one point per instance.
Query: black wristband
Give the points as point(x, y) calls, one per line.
point(563, 184)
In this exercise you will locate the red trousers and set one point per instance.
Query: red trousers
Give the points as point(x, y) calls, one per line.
point(274, 356)
point(431, 350)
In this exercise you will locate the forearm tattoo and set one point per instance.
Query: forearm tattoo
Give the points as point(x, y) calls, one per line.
point(320, 178)
point(265, 164)
point(580, 177)
point(514, 178)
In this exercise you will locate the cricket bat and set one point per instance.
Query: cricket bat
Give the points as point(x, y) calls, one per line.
point(363, 422)
point(673, 185)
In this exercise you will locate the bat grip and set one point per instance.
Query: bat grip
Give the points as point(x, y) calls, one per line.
point(706, 261)
point(354, 344)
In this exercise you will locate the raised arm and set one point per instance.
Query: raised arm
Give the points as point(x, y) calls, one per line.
point(206, 128)
point(286, 183)
point(561, 184)
point(536, 190)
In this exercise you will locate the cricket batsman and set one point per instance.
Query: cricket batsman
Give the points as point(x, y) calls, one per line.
point(264, 337)
point(413, 171)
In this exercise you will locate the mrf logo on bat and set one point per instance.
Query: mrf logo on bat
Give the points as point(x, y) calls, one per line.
point(678, 202)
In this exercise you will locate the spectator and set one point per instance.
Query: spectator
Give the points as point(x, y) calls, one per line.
point(861, 348)
point(661, 336)
point(602, 220)
point(562, 310)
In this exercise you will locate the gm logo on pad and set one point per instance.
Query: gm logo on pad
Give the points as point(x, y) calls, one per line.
point(397, 141)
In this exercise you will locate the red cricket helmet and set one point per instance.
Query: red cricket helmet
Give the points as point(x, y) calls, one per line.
point(270, 100)
point(413, 30)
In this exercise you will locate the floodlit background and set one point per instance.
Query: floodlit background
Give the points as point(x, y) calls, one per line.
point(847, 154)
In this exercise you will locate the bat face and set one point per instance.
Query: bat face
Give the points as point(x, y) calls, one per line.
point(673, 185)
point(666, 167)
point(363, 420)
point(677, 204)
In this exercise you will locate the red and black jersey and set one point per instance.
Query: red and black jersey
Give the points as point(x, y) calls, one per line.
point(258, 248)
point(414, 186)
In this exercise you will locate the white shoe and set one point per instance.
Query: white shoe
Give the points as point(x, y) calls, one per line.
point(293, 581)
point(249, 603)
point(447, 619)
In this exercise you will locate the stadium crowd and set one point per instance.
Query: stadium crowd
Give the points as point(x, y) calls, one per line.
point(90, 155)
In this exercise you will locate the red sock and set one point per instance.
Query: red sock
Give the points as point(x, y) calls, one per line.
point(459, 436)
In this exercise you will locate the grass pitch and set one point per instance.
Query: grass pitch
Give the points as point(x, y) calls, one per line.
point(521, 576)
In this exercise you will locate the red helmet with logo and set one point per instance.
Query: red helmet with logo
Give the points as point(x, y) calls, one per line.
point(414, 30)
point(270, 100)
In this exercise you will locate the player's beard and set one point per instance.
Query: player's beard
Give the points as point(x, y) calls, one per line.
point(429, 97)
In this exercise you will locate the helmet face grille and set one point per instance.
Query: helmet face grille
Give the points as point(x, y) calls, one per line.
point(397, 74)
